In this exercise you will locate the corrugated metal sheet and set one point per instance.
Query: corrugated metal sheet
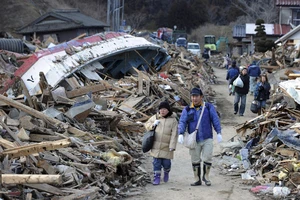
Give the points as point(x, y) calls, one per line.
point(281, 29)
point(288, 35)
point(239, 31)
point(250, 29)
point(287, 2)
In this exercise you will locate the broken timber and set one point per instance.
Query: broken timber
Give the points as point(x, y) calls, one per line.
point(30, 178)
point(40, 115)
point(35, 148)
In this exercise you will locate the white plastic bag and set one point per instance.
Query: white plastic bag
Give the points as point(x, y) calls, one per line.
point(190, 140)
point(238, 82)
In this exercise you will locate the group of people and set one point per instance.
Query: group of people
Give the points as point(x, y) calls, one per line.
point(253, 81)
point(168, 131)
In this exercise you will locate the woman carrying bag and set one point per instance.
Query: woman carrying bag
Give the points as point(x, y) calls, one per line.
point(165, 140)
point(262, 92)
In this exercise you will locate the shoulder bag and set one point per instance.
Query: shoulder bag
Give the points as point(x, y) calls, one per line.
point(148, 140)
point(190, 139)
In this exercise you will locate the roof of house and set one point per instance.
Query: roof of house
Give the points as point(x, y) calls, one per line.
point(287, 2)
point(240, 31)
point(61, 20)
point(288, 35)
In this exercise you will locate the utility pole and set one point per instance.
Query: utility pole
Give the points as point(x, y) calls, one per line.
point(108, 14)
point(115, 14)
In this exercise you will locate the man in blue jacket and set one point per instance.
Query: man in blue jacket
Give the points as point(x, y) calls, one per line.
point(253, 72)
point(232, 72)
point(204, 148)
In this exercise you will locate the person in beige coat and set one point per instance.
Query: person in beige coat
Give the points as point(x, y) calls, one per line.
point(165, 125)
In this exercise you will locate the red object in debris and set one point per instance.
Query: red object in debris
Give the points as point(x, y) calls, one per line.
point(259, 188)
point(163, 75)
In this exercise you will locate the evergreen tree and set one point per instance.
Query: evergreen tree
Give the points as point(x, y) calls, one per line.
point(261, 42)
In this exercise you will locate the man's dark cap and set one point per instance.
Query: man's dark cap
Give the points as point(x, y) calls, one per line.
point(196, 91)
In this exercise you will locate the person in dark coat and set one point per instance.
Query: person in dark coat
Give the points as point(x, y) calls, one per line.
point(241, 92)
point(262, 92)
point(231, 73)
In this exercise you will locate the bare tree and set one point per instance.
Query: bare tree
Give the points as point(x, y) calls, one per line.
point(257, 9)
point(135, 20)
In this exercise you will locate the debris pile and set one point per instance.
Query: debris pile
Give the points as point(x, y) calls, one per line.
point(78, 134)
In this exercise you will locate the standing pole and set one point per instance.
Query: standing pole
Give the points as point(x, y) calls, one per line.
point(108, 14)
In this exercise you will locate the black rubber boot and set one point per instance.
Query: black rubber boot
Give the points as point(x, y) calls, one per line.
point(206, 170)
point(197, 174)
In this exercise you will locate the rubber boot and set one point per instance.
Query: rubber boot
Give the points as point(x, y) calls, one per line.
point(156, 179)
point(206, 170)
point(197, 174)
point(166, 175)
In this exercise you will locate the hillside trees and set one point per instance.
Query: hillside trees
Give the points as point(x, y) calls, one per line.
point(256, 9)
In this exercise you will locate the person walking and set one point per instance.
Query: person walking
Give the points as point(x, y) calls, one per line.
point(206, 54)
point(231, 73)
point(165, 140)
point(241, 92)
point(204, 138)
point(253, 72)
point(262, 92)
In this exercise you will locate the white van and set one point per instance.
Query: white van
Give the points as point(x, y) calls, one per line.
point(194, 48)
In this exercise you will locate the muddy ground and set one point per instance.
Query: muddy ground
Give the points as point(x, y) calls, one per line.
point(223, 187)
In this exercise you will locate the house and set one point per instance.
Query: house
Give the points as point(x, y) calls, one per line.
point(291, 38)
point(62, 25)
point(244, 34)
point(289, 11)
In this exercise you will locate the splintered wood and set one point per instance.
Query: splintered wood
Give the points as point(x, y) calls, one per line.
point(81, 139)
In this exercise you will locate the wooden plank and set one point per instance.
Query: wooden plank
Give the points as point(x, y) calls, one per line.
point(6, 144)
point(26, 93)
point(41, 138)
point(45, 188)
point(130, 103)
point(116, 87)
point(86, 89)
point(47, 167)
point(91, 193)
point(41, 115)
point(35, 148)
point(69, 155)
point(293, 76)
point(269, 67)
point(14, 136)
point(140, 83)
point(30, 178)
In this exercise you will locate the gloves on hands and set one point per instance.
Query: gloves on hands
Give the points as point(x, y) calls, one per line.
point(156, 122)
point(219, 137)
point(180, 139)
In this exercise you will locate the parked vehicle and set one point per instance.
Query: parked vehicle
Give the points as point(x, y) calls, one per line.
point(221, 45)
point(194, 48)
point(181, 42)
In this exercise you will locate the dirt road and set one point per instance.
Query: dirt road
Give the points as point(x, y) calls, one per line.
point(223, 187)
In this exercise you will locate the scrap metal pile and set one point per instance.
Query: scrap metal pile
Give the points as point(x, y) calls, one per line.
point(71, 117)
